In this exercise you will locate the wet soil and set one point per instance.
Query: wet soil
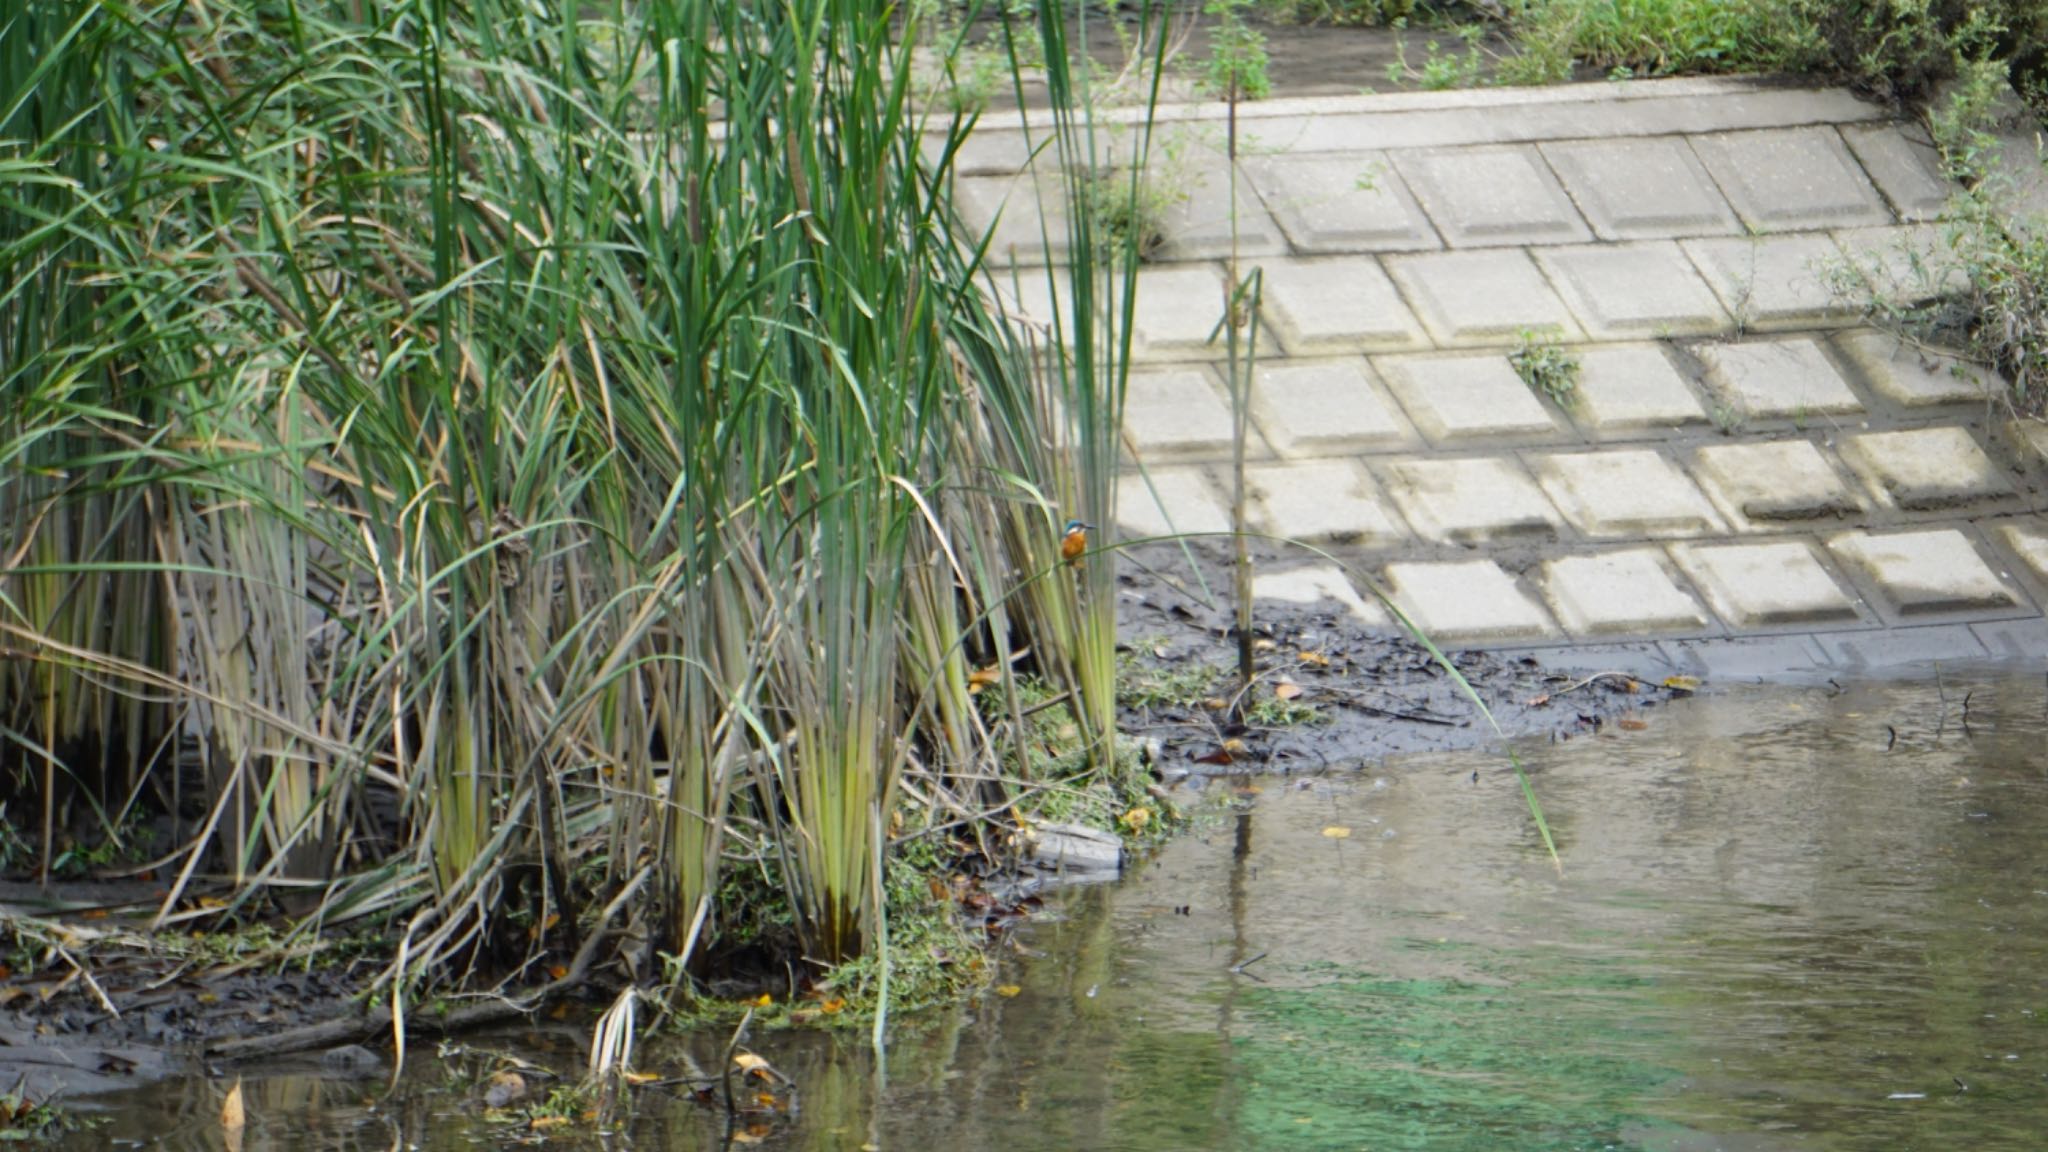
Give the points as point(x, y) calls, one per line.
point(1371, 692)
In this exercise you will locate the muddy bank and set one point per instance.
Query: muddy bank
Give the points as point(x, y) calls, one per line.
point(91, 1002)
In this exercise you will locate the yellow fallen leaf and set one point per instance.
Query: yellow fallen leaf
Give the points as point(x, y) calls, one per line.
point(832, 1007)
point(1008, 990)
point(1136, 819)
point(748, 1062)
point(984, 678)
point(1286, 690)
point(1315, 659)
point(1682, 683)
point(1337, 832)
point(543, 1123)
point(763, 1001)
point(640, 1077)
point(232, 1117)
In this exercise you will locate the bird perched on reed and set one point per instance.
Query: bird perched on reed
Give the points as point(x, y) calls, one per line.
point(1074, 542)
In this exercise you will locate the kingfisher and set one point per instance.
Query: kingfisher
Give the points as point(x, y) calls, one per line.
point(1074, 542)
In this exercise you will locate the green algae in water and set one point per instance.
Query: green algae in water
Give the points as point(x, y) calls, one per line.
point(1547, 1065)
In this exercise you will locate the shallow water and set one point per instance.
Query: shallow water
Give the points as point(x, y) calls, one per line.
point(1779, 927)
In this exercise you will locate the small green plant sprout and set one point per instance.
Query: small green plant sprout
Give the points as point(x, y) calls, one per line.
point(1237, 68)
point(1544, 364)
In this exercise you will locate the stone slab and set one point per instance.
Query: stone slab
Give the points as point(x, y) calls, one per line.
point(1341, 202)
point(1630, 592)
point(1623, 291)
point(1169, 501)
point(1765, 585)
point(1466, 399)
point(1924, 469)
point(1470, 501)
point(1487, 197)
point(1625, 494)
point(1307, 407)
point(1919, 573)
point(1899, 265)
point(1632, 389)
point(1178, 307)
point(1768, 483)
point(1197, 224)
point(1774, 283)
point(2031, 546)
point(1465, 602)
point(1748, 657)
point(1177, 412)
point(1321, 501)
point(1336, 304)
point(2020, 641)
point(1789, 179)
point(1777, 380)
point(1319, 584)
point(1905, 169)
point(1480, 297)
point(1900, 647)
point(2030, 436)
point(1641, 188)
point(1915, 377)
point(1028, 220)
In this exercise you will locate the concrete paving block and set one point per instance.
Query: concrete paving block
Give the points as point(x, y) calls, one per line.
point(1631, 389)
point(1924, 469)
point(1178, 306)
point(1625, 494)
point(1197, 225)
point(1915, 377)
point(1900, 647)
point(1787, 179)
point(1013, 206)
point(1336, 304)
point(2030, 544)
point(1481, 297)
point(1319, 584)
point(1774, 283)
point(1177, 412)
point(1341, 202)
point(1619, 291)
point(1640, 188)
point(2030, 436)
point(1175, 500)
point(2023, 643)
point(1465, 399)
point(1777, 380)
point(1486, 197)
point(1325, 406)
point(1774, 481)
point(1765, 585)
point(1320, 501)
point(1464, 602)
point(1470, 501)
point(1903, 264)
point(1925, 572)
point(1630, 592)
point(1749, 658)
point(1906, 170)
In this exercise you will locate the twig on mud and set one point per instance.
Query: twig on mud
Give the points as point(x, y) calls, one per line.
point(1547, 697)
point(98, 992)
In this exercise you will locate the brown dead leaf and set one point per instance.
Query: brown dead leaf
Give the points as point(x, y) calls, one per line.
point(543, 1123)
point(504, 1089)
point(1315, 659)
point(1262, 644)
point(232, 1117)
point(1632, 724)
point(1286, 690)
point(1539, 701)
point(984, 678)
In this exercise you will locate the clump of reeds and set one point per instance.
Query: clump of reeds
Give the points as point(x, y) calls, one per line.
point(499, 465)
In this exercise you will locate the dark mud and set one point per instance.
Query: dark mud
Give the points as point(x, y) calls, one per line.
point(1372, 693)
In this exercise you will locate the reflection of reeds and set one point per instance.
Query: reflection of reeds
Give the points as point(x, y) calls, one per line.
point(506, 454)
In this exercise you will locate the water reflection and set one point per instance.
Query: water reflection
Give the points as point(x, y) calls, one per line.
point(1789, 919)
